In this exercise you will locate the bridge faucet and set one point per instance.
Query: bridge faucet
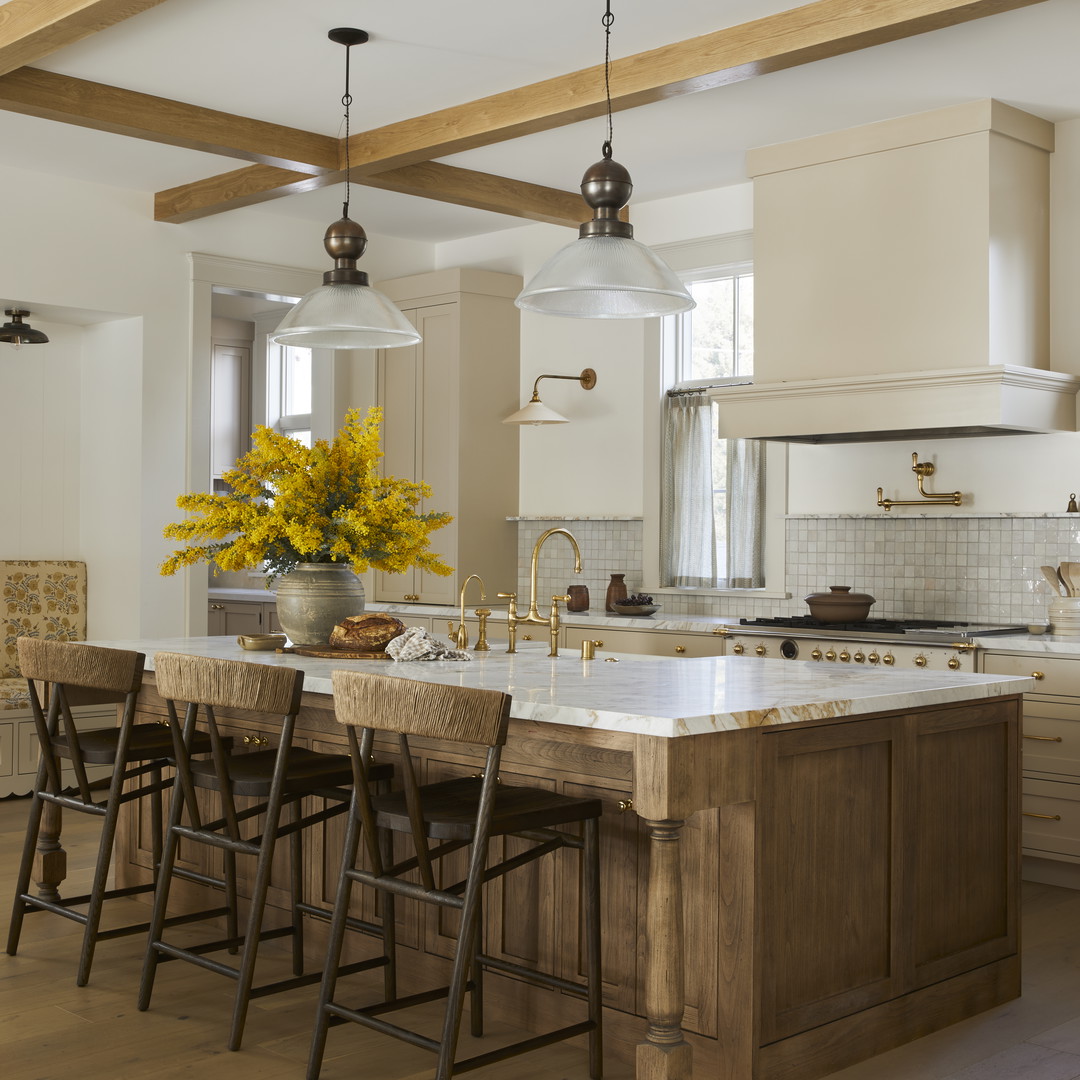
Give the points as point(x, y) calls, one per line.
point(533, 615)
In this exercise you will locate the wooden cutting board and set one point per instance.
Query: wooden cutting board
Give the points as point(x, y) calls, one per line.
point(328, 652)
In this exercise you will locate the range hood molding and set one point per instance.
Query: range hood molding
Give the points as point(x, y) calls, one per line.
point(955, 403)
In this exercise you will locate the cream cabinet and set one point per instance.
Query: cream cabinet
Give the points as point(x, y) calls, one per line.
point(648, 642)
point(232, 617)
point(1050, 811)
point(443, 404)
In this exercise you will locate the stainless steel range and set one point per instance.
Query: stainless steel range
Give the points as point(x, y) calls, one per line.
point(923, 643)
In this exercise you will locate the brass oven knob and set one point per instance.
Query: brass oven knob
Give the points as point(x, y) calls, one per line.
point(888, 659)
point(816, 654)
point(845, 657)
point(954, 662)
point(874, 658)
point(920, 661)
point(831, 654)
point(761, 650)
point(738, 649)
point(859, 657)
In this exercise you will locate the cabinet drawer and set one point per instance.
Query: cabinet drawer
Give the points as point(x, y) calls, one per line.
point(1054, 675)
point(1051, 742)
point(648, 642)
point(1050, 818)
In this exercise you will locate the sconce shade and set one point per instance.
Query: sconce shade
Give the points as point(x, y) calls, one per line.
point(345, 317)
point(536, 413)
point(16, 332)
point(605, 277)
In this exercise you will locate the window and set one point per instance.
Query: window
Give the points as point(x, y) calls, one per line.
point(712, 489)
point(288, 391)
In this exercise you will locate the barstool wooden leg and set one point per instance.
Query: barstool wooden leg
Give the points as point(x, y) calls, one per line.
point(161, 900)
point(101, 872)
point(232, 919)
point(26, 867)
point(476, 998)
point(335, 940)
point(389, 926)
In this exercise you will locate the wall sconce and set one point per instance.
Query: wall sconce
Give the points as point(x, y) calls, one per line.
point(17, 333)
point(536, 412)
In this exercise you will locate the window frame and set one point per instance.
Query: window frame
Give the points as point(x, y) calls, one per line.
point(700, 260)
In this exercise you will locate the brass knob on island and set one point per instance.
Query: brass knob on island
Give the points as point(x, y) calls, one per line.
point(625, 804)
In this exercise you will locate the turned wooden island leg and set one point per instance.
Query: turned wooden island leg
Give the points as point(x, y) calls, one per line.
point(665, 1054)
point(50, 864)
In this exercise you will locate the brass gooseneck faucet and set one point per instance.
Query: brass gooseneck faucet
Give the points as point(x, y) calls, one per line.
point(534, 616)
point(460, 637)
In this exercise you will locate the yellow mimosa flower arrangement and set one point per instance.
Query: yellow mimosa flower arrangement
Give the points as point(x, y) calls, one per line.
point(289, 504)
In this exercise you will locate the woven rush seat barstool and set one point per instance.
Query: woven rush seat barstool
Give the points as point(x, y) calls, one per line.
point(278, 779)
point(74, 674)
point(442, 818)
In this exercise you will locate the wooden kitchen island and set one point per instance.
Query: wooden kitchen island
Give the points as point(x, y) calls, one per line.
point(802, 867)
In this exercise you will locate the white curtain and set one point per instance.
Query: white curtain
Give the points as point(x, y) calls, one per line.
point(690, 549)
point(688, 536)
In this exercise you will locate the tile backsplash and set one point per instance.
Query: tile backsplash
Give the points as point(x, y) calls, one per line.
point(978, 569)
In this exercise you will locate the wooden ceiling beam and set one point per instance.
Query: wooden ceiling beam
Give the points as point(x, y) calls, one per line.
point(46, 94)
point(788, 39)
point(430, 180)
point(31, 29)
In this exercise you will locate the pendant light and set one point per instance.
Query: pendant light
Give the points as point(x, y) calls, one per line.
point(536, 412)
point(605, 273)
point(17, 333)
point(345, 312)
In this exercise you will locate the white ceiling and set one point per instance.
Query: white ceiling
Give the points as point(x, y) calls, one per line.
point(271, 60)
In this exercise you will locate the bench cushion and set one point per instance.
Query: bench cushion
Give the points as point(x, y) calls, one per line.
point(38, 598)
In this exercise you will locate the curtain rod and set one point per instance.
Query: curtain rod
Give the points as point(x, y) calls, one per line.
point(683, 391)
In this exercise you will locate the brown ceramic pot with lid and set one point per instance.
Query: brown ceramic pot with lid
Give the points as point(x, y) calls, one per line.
point(839, 605)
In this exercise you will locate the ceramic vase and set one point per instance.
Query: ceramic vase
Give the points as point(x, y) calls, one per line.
point(314, 597)
point(616, 590)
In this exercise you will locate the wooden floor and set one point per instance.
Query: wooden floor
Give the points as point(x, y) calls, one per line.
point(50, 1029)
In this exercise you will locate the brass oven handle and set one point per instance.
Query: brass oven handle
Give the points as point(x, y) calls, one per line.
point(1044, 738)
point(1042, 817)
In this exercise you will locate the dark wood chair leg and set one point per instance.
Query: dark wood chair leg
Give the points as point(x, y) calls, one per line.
point(26, 867)
point(336, 939)
point(476, 998)
point(389, 924)
point(296, 888)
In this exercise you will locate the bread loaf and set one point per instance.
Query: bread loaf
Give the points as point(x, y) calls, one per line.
point(366, 633)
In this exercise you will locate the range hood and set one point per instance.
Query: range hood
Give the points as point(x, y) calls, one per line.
point(901, 280)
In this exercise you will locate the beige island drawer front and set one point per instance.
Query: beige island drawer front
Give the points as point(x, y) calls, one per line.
point(1055, 676)
point(647, 642)
point(1050, 818)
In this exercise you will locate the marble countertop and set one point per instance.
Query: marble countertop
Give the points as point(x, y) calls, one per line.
point(647, 695)
point(685, 624)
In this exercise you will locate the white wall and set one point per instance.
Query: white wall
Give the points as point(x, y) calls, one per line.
point(107, 257)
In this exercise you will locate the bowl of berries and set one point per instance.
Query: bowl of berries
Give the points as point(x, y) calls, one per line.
point(637, 604)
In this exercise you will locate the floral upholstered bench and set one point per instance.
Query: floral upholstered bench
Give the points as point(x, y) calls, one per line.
point(37, 599)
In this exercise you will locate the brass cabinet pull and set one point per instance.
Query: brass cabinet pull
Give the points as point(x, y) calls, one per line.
point(411, 596)
point(680, 648)
point(256, 740)
point(625, 804)
point(1044, 738)
point(1038, 675)
point(1042, 817)
point(526, 637)
point(217, 607)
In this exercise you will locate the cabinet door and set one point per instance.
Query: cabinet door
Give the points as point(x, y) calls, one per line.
point(648, 642)
point(234, 617)
point(829, 912)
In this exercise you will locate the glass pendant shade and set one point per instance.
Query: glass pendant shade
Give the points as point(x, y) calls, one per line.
point(536, 413)
point(605, 277)
point(345, 317)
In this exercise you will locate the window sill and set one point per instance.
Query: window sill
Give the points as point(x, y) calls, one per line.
point(752, 594)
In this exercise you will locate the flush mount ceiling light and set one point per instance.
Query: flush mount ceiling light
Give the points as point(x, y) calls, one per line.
point(345, 312)
point(17, 333)
point(536, 412)
point(605, 273)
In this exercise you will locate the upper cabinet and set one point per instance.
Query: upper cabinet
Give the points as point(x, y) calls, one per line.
point(230, 409)
point(443, 404)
